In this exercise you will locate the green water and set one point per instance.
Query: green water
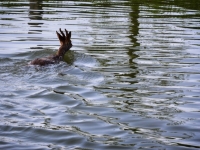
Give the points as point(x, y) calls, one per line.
point(130, 81)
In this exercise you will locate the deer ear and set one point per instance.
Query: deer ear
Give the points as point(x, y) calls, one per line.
point(59, 37)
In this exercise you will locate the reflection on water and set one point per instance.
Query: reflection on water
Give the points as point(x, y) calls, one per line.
point(35, 15)
point(130, 81)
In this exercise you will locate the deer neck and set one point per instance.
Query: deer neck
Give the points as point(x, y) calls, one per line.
point(62, 50)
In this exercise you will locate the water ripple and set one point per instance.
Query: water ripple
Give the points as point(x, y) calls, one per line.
point(130, 81)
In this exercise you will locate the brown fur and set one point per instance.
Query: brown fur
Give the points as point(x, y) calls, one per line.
point(65, 45)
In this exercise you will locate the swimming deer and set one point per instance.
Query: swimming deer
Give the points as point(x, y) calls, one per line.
point(65, 45)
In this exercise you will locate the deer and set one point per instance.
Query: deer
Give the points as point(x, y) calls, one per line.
point(65, 45)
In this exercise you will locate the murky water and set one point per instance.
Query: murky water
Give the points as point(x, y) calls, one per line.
point(130, 81)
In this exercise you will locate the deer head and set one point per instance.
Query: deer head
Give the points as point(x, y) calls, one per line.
point(65, 42)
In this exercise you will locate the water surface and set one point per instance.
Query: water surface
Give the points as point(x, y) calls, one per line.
point(130, 81)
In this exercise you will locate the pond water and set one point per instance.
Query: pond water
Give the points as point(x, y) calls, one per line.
point(130, 81)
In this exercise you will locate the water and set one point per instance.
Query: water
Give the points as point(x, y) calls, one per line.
point(130, 81)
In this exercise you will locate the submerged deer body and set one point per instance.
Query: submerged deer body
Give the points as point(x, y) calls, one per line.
point(65, 45)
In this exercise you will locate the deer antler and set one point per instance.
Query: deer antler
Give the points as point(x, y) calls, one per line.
point(62, 33)
point(62, 37)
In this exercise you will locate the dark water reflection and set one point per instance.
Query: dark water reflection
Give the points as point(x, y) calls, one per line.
point(131, 80)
